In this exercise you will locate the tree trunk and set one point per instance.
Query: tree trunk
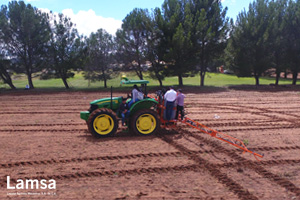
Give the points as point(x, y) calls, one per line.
point(180, 81)
point(160, 82)
point(29, 78)
point(6, 79)
point(256, 80)
point(202, 76)
point(105, 85)
point(11, 85)
point(295, 75)
point(65, 82)
point(285, 74)
point(104, 77)
point(63, 76)
point(30, 81)
point(139, 73)
point(202, 69)
point(29, 72)
point(9, 82)
point(277, 78)
point(155, 65)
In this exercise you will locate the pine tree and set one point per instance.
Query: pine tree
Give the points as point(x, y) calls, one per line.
point(25, 31)
point(100, 60)
point(132, 41)
point(65, 49)
point(250, 41)
point(292, 32)
point(210, 34)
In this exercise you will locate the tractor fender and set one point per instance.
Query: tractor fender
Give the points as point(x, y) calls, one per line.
point(142, 104)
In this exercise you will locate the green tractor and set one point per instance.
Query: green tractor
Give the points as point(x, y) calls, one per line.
point(103, 116)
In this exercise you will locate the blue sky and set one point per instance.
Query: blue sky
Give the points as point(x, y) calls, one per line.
point(89, 15)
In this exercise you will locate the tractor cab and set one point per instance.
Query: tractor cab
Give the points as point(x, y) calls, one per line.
point(143, 83)
point(145, 101)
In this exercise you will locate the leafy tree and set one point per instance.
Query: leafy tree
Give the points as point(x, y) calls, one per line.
point(25, 31)
point(195, 32)
point(65, 49)
point(155, 47)
point(292, 32)
point(210, 32)
point(5, 63)
point(132, 41)
point(100, 60)
point(249, 41)
point(177, 38)
point(277, 48)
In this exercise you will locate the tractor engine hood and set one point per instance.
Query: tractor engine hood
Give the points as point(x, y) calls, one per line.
point(115, 100)
point(106, 103)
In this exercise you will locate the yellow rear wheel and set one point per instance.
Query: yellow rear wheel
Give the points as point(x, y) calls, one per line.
point(145, 122)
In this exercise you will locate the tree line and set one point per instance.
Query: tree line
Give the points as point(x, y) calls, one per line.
point(182, 38)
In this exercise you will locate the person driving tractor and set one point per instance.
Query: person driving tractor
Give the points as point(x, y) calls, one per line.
point(124, 110)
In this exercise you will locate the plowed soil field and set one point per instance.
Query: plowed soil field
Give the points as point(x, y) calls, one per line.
point(43, 137)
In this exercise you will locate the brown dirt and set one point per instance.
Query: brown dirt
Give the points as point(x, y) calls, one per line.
point(43, 137)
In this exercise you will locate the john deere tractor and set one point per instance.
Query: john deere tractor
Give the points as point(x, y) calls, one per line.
point(103, 116)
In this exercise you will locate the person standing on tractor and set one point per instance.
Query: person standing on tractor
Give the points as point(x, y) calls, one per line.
point(170, 98)
point(124, 110)
point(135, 95)
point(180, 103)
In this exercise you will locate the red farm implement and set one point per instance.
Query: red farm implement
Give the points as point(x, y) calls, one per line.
point(202, 128)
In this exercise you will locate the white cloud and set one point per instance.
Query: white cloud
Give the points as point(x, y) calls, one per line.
point(88, 22)
point(229, 1)
point(46, 10)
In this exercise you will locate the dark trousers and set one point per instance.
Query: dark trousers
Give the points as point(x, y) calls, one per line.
point(169, 109)
point(131, 102)
point(179, 109)
point(124, 115)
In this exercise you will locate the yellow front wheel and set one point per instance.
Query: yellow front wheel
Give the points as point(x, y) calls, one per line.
point(145, 122)
point(103, 122)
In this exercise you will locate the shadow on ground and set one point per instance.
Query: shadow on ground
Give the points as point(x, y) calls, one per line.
point(266, 88)
point(124, 135)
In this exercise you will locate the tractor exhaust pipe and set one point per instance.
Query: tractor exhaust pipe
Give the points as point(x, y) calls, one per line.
point(110, 97)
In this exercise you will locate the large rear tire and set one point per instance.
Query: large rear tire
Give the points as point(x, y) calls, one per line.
point(145, 122)
point(103, 122)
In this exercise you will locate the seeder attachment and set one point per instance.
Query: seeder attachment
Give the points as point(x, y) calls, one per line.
point(221, 136)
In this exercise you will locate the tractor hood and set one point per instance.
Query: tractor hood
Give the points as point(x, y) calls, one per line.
point(106, 103)
point(116, 100)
